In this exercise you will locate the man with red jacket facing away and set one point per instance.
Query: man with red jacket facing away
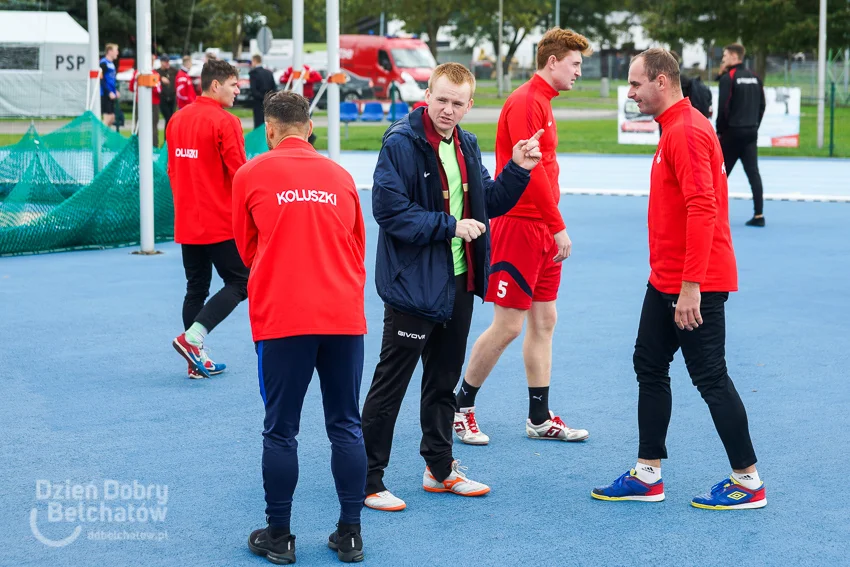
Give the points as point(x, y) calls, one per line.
point(306, 304)
point(692, 272)
point(155, 100)
point(184, 88)
point(205, 148)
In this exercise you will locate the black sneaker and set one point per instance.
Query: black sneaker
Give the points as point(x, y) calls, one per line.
point(755, 221)
point(280, 551)
point(347, 543)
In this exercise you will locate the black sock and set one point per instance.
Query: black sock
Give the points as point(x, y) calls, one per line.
point(343, 529)
point(466, 395)
point(538, 405)
point(277, 532)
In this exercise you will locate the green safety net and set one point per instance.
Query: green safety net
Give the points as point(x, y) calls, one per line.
point(255, 142)
point(78, 188)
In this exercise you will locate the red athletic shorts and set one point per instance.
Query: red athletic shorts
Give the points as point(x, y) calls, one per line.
point(521, 266)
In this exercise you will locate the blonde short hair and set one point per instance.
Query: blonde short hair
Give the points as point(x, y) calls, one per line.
point(455, 72)
point(109, 47)
point(559, 42)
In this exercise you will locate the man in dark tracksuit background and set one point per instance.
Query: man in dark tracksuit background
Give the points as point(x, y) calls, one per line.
point(432, 199)
point(168, 80)
point(262, 82)
point(742, 107)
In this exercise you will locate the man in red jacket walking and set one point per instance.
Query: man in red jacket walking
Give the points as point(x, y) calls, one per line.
point(529, 244)
point(692, 272)
point(306, 303)
point(205, 148)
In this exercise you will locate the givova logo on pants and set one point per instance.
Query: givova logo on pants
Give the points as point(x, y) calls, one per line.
point(414, 336)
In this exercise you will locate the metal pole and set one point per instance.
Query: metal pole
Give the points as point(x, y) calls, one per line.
point(557, 13)
point(821, 70)
point(832, 120)
point(94, 54)
point(847, 71)
point(143, 62)
point(332, 11)
point(298, 44)
point(382, 29)
point(499, 65)
point(94, 82)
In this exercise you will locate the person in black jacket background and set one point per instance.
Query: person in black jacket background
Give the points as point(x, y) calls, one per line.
point(168, 80)
point(741, 110)
point(262, 81)
point(432, 199)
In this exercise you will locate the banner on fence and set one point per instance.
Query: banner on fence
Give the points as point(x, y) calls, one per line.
point(780, 126)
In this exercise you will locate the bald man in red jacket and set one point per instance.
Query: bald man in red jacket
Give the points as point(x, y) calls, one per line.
point(693, 270)
point(298, 225)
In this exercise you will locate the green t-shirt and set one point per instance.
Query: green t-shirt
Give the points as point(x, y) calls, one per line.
point(448, 156)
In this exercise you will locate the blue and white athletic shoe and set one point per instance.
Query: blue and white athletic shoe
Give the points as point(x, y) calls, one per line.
point(212, 368)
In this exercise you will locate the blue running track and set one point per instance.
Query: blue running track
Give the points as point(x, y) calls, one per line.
point(92, 391)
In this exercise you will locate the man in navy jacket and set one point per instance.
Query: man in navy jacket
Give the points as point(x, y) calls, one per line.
point(432, 199)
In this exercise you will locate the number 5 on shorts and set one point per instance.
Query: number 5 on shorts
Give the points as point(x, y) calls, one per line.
point(503, 289)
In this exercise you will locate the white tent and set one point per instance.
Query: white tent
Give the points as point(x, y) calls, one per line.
point(43, 64)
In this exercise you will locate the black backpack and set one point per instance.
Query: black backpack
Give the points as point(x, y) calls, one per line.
point(699, 93)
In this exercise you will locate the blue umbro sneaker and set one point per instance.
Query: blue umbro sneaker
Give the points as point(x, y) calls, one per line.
point(729, 494)
point(630, 487)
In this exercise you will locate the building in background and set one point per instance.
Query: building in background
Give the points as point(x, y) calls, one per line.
point(43, 64)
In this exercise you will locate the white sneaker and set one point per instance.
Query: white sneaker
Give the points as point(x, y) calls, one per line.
point(456, 483)
point(554, 428)
point(385, 502)
point(467, 428)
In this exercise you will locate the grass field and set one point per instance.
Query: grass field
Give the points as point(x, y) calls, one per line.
point(585, 94)
point(600, 136)
point(592, 136)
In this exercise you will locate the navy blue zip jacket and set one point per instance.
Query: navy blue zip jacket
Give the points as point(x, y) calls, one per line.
point(414, 271)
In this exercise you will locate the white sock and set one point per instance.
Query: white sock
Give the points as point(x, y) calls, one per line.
point(749, 480)
point(196, 334)
point(647, 473)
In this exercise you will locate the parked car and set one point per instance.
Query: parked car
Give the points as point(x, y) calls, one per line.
point(354, 88)
point(244, 82)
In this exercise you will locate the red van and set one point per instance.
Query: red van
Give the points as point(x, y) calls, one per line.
point(386, 59)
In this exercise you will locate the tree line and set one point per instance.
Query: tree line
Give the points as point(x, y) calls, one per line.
point(764, 26)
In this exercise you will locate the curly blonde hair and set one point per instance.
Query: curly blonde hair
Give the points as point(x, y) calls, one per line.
point(559, 42)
